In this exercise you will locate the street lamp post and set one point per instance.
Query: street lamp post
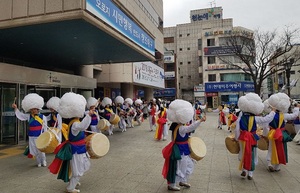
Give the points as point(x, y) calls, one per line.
point(288, 67)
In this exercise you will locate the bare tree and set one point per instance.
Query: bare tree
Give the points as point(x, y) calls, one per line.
point(261, 54)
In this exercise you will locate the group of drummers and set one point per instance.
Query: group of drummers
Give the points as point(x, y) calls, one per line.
point(73, 130)
point(262, 125)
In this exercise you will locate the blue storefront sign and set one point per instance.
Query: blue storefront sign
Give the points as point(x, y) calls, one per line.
point(107, 11)
point(168, 92)
point(229, 87)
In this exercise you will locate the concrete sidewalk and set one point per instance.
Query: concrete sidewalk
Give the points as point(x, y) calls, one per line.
point(134, 163)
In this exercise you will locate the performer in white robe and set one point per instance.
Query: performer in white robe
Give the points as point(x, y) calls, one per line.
point(37, 124)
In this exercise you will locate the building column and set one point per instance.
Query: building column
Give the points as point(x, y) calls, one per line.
point(148, 93)
point(86, 71)
point(127, 90)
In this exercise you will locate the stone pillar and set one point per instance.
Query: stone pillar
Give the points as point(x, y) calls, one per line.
point(86, 71)
point(148, 93)
point(127, 90)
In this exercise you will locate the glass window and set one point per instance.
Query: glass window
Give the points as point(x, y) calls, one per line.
point(199, 44)
point(210, 42)
point(235, 77)
point(211, 59)
point(211, 77)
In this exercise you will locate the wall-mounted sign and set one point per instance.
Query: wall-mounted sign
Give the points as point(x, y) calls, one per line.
point(168, 92)
point(169, 75)
point(229, 87)
point(148, 73)
point(116, 18)
point(208, 15)
point(169, 59)
point(220, 50)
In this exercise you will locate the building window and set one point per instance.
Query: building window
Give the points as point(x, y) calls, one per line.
point(169, 40)
point(170, 67)
point(181, 76)
point(189, 62)
point(210, 42)
point(187, 34)
point(236, 77)
point(199, 44)
point(180, 35)
point(180, 49)
point(200, 61)
point(211, 60)
point(180, 63)
point(212, 77)
point(188, 48)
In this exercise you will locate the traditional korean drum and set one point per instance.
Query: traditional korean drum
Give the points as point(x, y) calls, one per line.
point(103, 125)
point(197, 148)
point(114, 119)
point(47, 141)
point(232, 145)
point(290, 128)
point(263, 143)
point(97, 145)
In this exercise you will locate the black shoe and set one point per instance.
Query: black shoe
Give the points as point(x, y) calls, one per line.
point(250, 177)
point(271, 169)
point(243, 174)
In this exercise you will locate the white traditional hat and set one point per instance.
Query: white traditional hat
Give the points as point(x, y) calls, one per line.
point(71, 105)
point(180, 111)
point(251, 103)
point(119, 100)
point(53, 103)
point(32, 101)
point(138, 102)
point(267, 107)
point(106, 101)
point(91, 101)
point(129, 101)
point(280, 101)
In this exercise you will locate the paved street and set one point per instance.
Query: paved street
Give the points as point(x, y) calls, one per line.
point(134, 162)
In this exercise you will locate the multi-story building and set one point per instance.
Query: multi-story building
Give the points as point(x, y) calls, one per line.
point(198, 46)
point(278, 82)
point(91, 47)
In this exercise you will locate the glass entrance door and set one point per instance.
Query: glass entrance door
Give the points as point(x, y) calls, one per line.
point(8, 119)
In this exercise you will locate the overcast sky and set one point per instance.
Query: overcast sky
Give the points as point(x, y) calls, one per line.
point(265, 15)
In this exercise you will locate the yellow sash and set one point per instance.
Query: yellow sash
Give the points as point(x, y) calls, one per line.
point(66, 128)
point(38, 119)
point(274, 155)
point(175, 131)
point(109, 110)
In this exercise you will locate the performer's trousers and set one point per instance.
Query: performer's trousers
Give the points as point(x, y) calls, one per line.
point(80, 163)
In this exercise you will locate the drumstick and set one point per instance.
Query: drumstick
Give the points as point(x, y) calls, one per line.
point(89, 131)
point(97, 103)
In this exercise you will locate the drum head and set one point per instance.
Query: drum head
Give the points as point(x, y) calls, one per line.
point(232, 145)
point(198, 147)
point(102, 124)
point(43, 140)
point(99, 144)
